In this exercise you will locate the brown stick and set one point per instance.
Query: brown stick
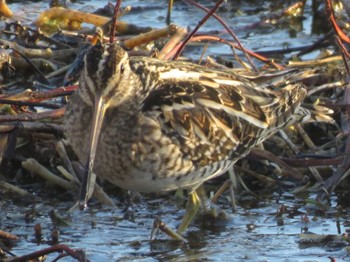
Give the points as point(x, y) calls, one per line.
point(148, 37)
point(77, 254)
point(7, 235)
point(57, 113)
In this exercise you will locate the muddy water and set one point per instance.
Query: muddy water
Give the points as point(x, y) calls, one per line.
point(252, 233)
point(104, 234)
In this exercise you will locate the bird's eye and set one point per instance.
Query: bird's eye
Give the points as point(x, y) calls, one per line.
point(121, 68)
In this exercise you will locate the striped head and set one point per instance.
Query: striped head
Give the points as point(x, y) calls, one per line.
point(106, 74)
point(106, 81)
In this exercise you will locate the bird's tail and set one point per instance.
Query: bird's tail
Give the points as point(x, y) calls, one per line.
point(290, 83)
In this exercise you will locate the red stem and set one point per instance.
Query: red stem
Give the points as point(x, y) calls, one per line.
point(336, 28)
point(181, 47)
point(228, 30)
point(114, 21)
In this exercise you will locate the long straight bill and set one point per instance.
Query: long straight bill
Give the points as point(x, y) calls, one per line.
point(88, 183)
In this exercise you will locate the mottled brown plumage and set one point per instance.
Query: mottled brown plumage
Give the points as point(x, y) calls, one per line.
point(170, 125)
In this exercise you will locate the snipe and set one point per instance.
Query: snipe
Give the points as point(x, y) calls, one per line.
point(164, 125)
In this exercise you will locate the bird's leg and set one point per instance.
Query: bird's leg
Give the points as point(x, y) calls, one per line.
point(206, 203)
point(196, 199)
point(191, 210)
point(192, 207)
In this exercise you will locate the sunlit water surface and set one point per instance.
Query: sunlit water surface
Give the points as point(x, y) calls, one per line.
point(106, 236)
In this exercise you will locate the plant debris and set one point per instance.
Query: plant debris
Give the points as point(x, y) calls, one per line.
point(40, 65)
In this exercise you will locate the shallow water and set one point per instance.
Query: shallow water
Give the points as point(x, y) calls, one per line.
point(114, 238)
point(106, 236)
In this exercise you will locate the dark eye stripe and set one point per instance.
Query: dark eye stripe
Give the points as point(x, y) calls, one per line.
point(104, 64)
